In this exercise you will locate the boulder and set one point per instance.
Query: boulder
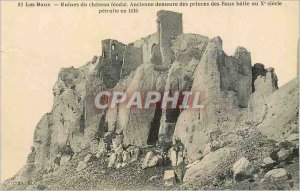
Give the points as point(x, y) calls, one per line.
point(201, 169)
point(135, 153)
point(126, 157)
point(88, 158)
point(81, 165)
point(277, 173)
point(283, 155)
point(64, 159)
point(112, 160)
point(293, 137)
point(119, 157)
point(241, 168)
point(94, 147)
point(172, 156)
point(231, 91)
point(154, 178)
point(119, 149)
point(268, 161)
point(100, 149)
point(118, 165)
point(107, 135)
point(117, 141)
point(206, 150)
point(169, 178)
point(151, 159)
point(175, 157)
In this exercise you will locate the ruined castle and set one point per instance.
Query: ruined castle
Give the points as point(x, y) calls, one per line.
point(237, 95)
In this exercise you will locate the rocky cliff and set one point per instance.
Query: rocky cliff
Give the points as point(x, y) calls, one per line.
point(245, 121)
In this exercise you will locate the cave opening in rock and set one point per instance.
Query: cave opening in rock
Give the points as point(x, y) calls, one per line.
point(102, 128)
point(171, 119)
point(82, 122)
point(155, 124)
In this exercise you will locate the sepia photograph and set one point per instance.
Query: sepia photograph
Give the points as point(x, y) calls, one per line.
point(149, 95)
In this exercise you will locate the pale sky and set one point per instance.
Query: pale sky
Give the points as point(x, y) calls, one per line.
point(37, 42)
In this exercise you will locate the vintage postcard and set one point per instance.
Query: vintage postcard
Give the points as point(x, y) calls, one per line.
point(149, 95)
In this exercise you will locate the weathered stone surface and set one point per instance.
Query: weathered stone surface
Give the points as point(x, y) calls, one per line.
point(154, 178)
point(118, 165)
point(134, 153)
point(25, 174)
point(241, 169)
point(100, 148)
point(169, 178)
point(133, 57)
point(240, 166)
point(169, 26)
point(282, 154)
point(65, 159)
point(281, 118)
point(294, 137)
point(147, 44)
point(201, 169)
point(220, 107)
point(117, 141)
point(176, 156)
point(31, 156)
point(135, 124)
point(151, 159)
point(276, 173)
point(42, 142)
point(268, 160)
point(94, 147)
point(240, 75)
point(88, 158)
point(126, 157)
point(112, 160)
point(166, 60)
point(81, 165)
point(188, 49)
point(267, 79)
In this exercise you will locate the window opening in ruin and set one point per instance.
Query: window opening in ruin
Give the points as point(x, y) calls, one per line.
point(117, 56)
point(104, 54)
point(154, 126)
point(113, 46)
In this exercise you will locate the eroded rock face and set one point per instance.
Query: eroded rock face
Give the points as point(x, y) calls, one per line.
point(193, 127)
point(201, 170)
point(188, 49)
point(235, 96)
point(281, 118)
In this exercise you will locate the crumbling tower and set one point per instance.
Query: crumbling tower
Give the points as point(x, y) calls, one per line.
point(169, 25)
point(113, 49)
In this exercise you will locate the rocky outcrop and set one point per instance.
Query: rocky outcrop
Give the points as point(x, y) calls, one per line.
point(243, 111)
point(202, 170)
point(282, 115)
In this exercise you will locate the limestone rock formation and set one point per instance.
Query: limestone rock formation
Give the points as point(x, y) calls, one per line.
point(203, 169)
point(245, 113)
